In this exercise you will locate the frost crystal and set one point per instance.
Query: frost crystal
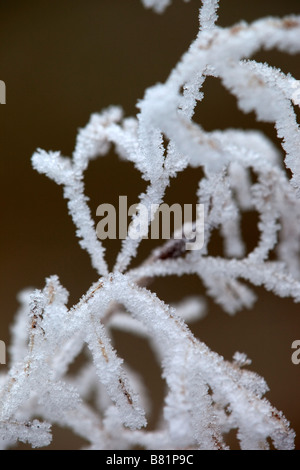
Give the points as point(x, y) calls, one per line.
point(206, 396)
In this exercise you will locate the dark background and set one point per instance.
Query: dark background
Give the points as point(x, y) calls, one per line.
point(63, 60)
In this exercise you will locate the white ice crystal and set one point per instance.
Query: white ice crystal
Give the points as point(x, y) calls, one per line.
point(206, 396)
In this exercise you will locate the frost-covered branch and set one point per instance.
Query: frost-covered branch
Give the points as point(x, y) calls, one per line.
point(206, 396)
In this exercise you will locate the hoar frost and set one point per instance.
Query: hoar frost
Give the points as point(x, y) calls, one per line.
point(206, 396)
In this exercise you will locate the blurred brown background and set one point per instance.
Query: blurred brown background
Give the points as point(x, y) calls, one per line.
point(63, 60)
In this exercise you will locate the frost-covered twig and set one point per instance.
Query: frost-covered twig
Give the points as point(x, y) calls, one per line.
point(206, 396)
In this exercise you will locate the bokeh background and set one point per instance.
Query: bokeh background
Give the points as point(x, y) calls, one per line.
point(63, 60)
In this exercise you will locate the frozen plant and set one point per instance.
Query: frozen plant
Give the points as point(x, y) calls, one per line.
point(206, 396)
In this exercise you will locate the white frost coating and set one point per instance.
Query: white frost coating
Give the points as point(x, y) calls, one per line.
point(158, 6)
point(208, 14)
point(206, 396)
